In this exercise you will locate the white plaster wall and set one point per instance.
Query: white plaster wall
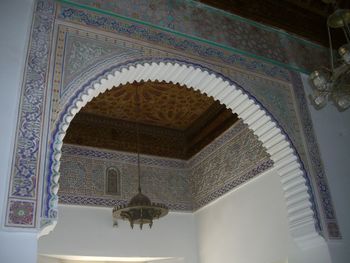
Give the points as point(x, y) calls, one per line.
point(15, 21)
point(18, 247)
point(88, 231)
point(249, 224)
point(318, 254)
point(332, 130)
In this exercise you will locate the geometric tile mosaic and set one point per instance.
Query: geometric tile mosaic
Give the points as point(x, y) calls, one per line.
point(21, 213)
point(84, 177)
point(233, 158)
point(230, 162)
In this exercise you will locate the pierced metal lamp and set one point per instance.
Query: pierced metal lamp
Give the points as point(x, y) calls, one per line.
point(140, 210)
point(334, 84)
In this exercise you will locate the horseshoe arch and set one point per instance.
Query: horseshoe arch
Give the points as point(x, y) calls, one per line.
point(276, 142)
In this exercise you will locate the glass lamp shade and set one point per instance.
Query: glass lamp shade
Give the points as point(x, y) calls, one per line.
point(341, 97)
point(343, 103)
point(339, 18)
point(334, 84)
point(344, 52)
point(320, 79)
point(319, 100)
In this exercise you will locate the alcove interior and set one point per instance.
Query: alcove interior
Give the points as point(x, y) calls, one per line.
point(194, 152)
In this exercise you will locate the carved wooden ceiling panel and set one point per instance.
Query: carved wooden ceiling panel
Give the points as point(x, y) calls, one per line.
point(306, 18)
point(161, 104)
point(174, 121)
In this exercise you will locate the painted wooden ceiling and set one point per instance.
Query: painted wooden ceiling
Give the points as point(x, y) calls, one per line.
point(174, 121)
point(161, 104)
point(306, 18)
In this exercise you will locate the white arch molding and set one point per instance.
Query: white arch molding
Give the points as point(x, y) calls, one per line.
point(286, 162)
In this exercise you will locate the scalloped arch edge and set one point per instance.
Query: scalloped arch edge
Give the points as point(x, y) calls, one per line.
point(286, 161)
